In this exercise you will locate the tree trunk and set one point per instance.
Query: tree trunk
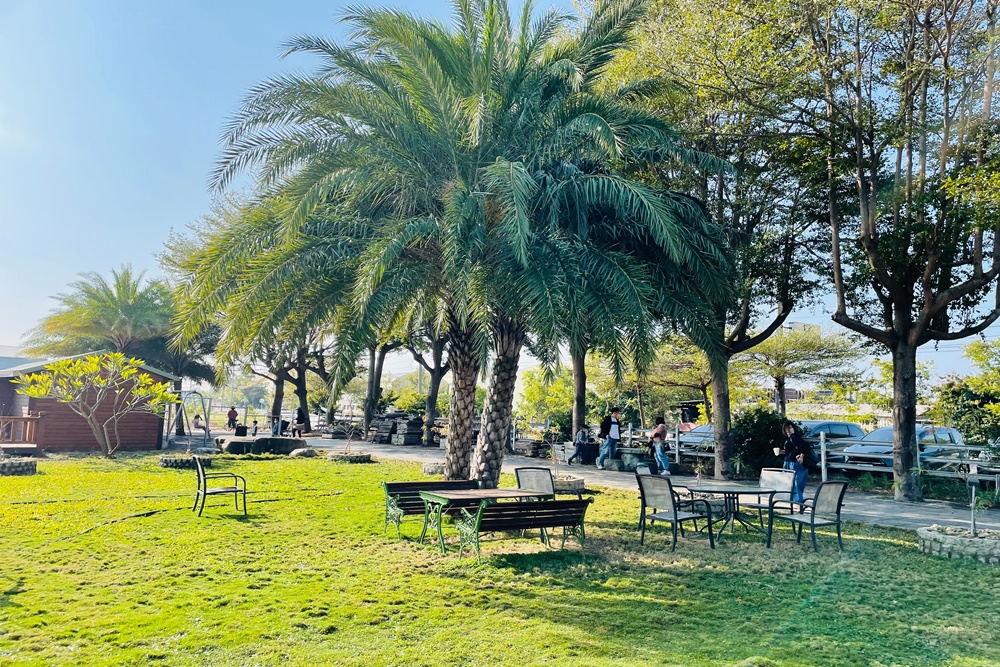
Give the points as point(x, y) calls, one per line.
point(579, 357)
point(464, 364)
point(707, 404)
point(301, 393)
point(371, 400)
point(722, 420)
point(779, 396)
point(430, 409)
point(279, 400)
point(488, 457)
point(904, 422)
point(180, 408)
point(641, 405)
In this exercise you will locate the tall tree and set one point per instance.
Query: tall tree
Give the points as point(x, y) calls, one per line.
point(801, 354)
point(99, 312)
point(770, 205)
point(437, 136)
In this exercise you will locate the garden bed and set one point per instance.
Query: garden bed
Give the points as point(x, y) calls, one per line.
point(349, 457)
point(183, 462)
point(948, 542)
point(18, 466)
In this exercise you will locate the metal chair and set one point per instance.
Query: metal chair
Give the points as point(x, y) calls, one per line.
point(657, 493)
point(823, 509)
point(536, 479)
point(773, 478)
point(204, 491)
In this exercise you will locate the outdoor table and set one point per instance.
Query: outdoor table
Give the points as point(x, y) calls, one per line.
point(731, 503)
point(437, 502)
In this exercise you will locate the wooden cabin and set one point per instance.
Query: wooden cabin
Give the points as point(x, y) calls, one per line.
point(28, 425)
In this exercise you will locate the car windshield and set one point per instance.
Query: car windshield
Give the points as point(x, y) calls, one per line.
point(883, 434)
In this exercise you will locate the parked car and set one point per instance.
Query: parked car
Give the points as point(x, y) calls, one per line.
point(879, 441)
point(812, 428)
point(700, 437)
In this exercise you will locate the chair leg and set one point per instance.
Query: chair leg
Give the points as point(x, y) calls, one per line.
point(236, 500)
point(673, 532)
point(197, 497)
point(812, 530)
point(244, 502)
point(202, 508)
point(642, 530)
point(840, 540)
point(760, 517)
point(681, 526)
point(711, 538)
point(798, 535)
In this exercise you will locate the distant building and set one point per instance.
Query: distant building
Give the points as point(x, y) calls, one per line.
point(45, 424)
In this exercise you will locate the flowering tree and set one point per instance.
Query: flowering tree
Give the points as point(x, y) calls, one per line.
point(102, 389)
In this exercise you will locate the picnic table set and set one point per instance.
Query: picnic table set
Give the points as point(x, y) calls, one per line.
point(533, 505)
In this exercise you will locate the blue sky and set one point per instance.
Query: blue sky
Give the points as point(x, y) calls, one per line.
point(110, 113)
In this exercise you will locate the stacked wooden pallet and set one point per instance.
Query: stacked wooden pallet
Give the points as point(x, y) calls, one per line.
point(536, 449)
point(385, 428)
point(409, 431)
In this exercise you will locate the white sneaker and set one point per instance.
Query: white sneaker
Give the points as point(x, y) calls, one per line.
point(600, 467)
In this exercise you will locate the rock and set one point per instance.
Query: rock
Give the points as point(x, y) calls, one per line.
point(342, 457)
point(614, 464)
point(305, 452)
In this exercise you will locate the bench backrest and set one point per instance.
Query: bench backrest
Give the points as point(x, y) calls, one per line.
point(777, 479)
point(657, 493)
point(537, 514)
point(407, 494)
point(829, 499)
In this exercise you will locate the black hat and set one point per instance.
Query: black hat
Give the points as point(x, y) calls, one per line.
point(614, 410)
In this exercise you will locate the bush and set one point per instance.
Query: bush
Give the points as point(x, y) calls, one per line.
point(756, 433)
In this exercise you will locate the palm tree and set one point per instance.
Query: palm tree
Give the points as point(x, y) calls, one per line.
point(117, 312)
point(441, 139)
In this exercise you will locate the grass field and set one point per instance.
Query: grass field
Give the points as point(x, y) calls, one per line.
point(103, 563)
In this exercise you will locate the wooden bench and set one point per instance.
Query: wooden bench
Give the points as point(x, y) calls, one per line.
point(496, 517)
point(403, 498)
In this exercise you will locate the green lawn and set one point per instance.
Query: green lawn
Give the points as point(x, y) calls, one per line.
point(309, 579)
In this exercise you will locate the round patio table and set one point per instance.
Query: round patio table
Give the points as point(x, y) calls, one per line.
point(731, 514)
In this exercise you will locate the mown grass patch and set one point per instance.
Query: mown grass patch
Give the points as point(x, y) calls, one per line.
point(103, 563)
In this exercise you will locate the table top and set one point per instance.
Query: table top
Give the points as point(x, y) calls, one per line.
point(736, 489)
point(483, 494)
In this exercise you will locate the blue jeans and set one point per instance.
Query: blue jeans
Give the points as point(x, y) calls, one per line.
point(578, 454)
point(608, 450)
point(662, 462)
point(801, 473)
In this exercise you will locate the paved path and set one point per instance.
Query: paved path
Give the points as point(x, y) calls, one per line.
point(858, 505)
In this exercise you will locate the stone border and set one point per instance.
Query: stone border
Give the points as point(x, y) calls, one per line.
point(10, 467)
point(182, 462)
point(341, 457)
point(952, 546)
point(568, 483)
point(433, 468)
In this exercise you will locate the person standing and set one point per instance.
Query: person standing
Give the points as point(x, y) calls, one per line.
point(611, 432)
point(231, 418)
point(253, 428)
point(659, 446)
point(797, 453)
point(579, 442)
point(300, 423)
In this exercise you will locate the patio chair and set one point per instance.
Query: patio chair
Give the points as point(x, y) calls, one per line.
point(657, 494)
point(536, 479)
point(773, 478)
point(823, 509)
point(204, 491)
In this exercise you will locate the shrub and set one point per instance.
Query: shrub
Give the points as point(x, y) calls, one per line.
point(756, 432)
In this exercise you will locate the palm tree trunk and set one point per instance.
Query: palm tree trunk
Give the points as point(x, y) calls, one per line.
point(464, 363)
point(488, 457)
point(579, 357)
point(279, 399)
point(371, 400)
